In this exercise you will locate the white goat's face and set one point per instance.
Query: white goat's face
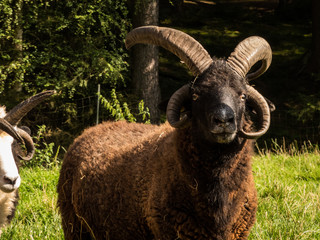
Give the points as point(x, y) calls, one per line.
point(9, 175)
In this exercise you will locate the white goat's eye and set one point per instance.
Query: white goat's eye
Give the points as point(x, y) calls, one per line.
point(243, 97)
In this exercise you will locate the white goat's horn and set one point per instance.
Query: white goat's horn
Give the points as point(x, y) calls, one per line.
point(189, 50)
point(9, 129)
point(28, 143)
point(18, 112)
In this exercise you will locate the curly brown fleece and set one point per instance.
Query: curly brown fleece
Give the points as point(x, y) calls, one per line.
point(123, 181)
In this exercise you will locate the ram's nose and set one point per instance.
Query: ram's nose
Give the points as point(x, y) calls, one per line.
point(223, 116)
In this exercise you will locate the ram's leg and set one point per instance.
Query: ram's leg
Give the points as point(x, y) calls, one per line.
point(71, 224)
point(180, 226)
point(246, 220)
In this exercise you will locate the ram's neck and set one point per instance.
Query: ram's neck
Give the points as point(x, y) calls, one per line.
point(216, 173)
point(211, 157)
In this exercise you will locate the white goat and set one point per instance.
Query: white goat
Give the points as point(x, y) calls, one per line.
point(9, 156)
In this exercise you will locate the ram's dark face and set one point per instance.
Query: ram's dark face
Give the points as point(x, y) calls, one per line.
point(218, 104)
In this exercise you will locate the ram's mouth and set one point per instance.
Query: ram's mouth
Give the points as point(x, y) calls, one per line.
point(224, 137)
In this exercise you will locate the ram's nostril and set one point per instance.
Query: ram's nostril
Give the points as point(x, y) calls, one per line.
point(223, 115)
point(231, 120)
point(218, 121)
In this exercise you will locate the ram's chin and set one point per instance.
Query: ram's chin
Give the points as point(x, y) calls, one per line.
point(224, 138)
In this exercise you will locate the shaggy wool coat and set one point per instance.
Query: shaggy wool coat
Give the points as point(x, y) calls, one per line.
point(134, 181)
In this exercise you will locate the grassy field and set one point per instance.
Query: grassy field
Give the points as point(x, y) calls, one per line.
point(289, 196)
point(37, 216)
point(288, 187)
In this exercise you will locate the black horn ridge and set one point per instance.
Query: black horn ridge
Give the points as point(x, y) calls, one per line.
point(247, 53)
point(18, 112)
point(189, 50)
point(28, 143)
point(9, 129)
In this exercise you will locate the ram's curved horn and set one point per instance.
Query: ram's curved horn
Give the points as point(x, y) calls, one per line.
point(247, 53)
point(175, 104)
point(261, 106)
point(9, 129)
point(28, 143)
point(18, 112)
point(189, 50)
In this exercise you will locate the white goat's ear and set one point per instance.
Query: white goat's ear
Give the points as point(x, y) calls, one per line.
point(26, 129)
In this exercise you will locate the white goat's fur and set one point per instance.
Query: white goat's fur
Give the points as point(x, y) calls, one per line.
point(2, 111)
point(9, 169)
point(6, 207)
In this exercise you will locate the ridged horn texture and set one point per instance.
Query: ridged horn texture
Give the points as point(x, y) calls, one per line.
point(190, 51)
point(28, 143)
point(19, 111)
point(247, 53)
point(9, 129)
point(261, 106)
point(175, 104)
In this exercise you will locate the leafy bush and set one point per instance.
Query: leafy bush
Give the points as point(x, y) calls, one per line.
point(121, 111)
point(46, 155)
point(69, 46)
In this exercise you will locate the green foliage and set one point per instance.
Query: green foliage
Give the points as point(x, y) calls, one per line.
point(69, 46)
point(78, 43)
point(114, 107)
point(121, 111)
point(306, 105)
point(11, 64)
point(144, 112)
point(45, 154)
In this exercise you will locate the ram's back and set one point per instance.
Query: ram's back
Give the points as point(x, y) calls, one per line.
point(101, 175)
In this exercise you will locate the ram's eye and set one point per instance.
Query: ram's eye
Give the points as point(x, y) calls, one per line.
point(243, 97)
point(195, 97)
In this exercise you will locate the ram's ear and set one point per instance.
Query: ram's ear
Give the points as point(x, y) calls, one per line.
point(272, 107)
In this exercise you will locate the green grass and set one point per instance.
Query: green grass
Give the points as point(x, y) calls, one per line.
point(37, 216)
point(289, 196)
point(288, 188)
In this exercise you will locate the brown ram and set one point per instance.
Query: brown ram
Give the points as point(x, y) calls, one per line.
point(189, 178)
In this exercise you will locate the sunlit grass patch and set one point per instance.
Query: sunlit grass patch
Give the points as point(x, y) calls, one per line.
point(289, 195)
point(36, 216)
